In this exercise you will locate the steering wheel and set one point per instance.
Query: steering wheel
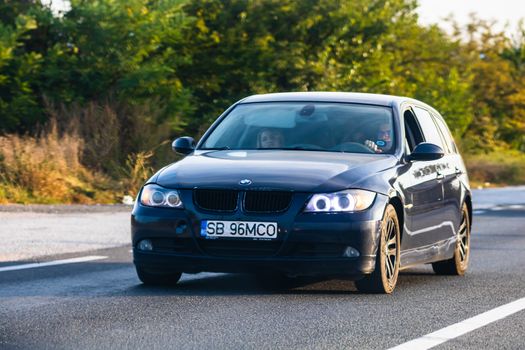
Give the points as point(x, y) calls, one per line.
point(352, 147)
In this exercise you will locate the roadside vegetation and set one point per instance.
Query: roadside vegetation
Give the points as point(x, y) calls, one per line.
point(497, 168)
point(90, 99)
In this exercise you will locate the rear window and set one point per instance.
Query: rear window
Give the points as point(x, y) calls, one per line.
point(446, 135)
point(429, 128)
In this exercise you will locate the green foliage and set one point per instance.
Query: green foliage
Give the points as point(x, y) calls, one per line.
point(121, 48)
point(124, 48)
point(498, 87)
point(128, 75)
point(243, 47)
point(19, 105)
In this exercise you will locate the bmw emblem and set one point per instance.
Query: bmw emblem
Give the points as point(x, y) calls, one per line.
point(245, 182)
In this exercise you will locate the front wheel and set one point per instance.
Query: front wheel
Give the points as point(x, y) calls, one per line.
point(384, 277)
point(157, 278)
point(458, 264)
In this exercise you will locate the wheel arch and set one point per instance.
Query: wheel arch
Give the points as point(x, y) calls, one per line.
point(398, 206)
point(468, 202)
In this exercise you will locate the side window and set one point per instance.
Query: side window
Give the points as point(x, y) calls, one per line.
point(430, 130)
point(446, 134)
point(412, 131)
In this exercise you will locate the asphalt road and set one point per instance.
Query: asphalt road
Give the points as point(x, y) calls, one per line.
point(33, 232)
point(101, 304)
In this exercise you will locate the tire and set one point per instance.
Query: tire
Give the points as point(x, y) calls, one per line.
point(157, 278)
point(458, 264)
point(384, 278)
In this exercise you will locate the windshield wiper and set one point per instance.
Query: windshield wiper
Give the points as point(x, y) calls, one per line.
point(309, 149)
point(296, 148)
point(215, 148)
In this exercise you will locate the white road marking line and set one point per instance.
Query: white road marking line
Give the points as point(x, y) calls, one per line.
point(52, 263)
point(432, 339)
point(478, 212)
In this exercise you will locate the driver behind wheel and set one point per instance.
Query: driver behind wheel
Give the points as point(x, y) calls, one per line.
point(383, 141)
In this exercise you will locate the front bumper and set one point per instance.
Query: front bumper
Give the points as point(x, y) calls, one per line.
point(289, 266)
point(307, 243)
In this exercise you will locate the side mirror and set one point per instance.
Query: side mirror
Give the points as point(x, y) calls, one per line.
point(426, 151)
point(183, 145)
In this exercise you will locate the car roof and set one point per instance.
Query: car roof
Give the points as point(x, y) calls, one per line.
point(350, 97)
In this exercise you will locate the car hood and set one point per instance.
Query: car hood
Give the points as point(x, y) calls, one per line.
point(302, 171)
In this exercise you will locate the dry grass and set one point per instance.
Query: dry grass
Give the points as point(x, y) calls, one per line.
point(60, 166)
point(136, 172)
point(498, 168)
point(113, 131)
point(92, 153)
point(47, 169)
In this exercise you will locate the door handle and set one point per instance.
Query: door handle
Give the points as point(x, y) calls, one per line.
point(440, 176)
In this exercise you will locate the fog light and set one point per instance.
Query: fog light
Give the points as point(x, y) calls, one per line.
point(146, 245)
point(350, 252)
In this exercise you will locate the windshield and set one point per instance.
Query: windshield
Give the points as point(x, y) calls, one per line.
point(331, 127)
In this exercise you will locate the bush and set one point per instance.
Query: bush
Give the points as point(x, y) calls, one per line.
point(47, 169)
point(113, 131)
point(500, 168)
point(91, 153)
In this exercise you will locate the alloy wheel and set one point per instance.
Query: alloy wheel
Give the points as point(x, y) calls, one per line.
point(463, 241)
point(384, 277)
point(390, 252)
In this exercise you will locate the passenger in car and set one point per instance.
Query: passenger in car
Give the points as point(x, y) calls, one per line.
point(270, 138)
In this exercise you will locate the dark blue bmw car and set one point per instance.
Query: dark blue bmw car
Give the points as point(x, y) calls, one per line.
point(305, 184)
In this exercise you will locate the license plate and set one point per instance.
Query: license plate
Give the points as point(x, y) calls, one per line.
point(238, 229)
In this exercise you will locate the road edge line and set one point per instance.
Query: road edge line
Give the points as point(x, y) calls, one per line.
point(458, 329)
point(52, 263)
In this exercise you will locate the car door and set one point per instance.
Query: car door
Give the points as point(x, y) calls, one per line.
point(422, 184)
point(453, 169)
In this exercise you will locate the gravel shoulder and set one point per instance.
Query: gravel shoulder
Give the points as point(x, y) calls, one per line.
point(34, 232)
point(64, 208)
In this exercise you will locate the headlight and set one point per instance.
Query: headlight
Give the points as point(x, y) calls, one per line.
point(156, 196)
point(343, 201)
